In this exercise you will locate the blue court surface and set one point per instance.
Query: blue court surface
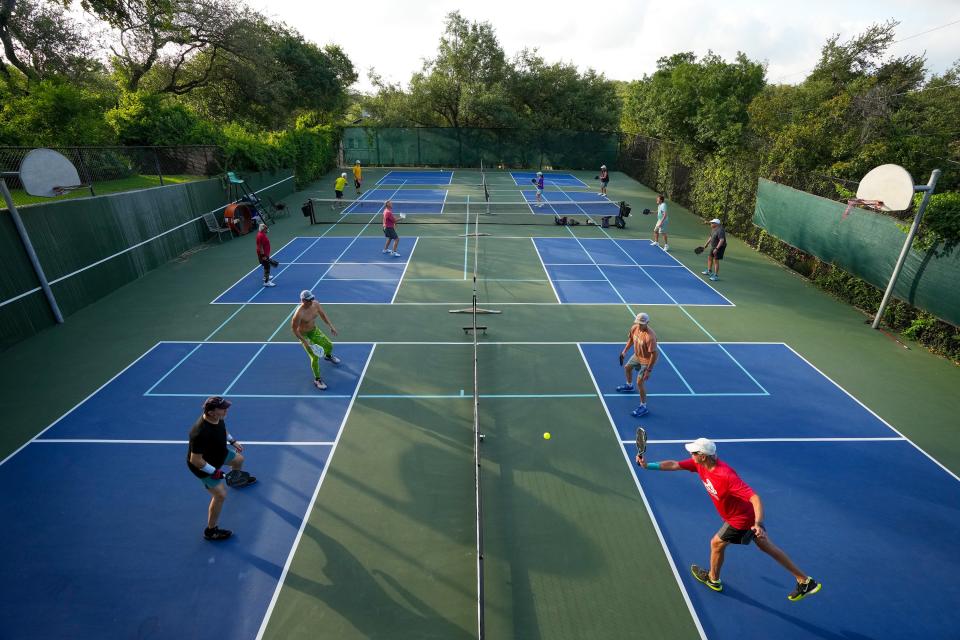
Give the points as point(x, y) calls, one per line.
point(608, 271)
point(417, 177)
point(571, 203)
point(852, 502)
point(112, 547)
point(524, 178)
point(419, 201)
point(336, 269)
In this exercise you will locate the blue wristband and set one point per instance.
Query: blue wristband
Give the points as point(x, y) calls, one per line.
point(653, 465)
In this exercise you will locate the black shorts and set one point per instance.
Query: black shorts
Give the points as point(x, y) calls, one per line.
point(356, 183)
point(339, 195)
point(733, 535)
point(720, 251)
point(604, 181)
point(391, 233)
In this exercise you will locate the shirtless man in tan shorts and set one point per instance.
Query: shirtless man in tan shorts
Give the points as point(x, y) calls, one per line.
point(315, 343)
point(644, 342)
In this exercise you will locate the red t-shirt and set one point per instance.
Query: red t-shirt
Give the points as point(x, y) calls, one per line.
point(731, 495)
point(263, 245)
point(388, 219)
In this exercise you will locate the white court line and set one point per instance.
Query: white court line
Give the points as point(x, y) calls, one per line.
point(646, 504)
point(74, 408)
point(245, 443)
point(407, 266)
point(545, 272)
point(874, 414)
point(515, 304)
point(742, 440)
point(451, 342)
point(313, 500)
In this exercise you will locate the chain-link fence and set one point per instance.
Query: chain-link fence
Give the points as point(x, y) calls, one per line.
point(101, 166)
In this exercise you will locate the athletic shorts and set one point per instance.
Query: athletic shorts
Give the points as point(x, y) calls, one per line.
point(604, 181)
point(539, 191)
point(391, 233)
point(720, 251)
point(356, 183)
point(210, 483)
point(662, 224)
point(733, 535)
point(636, 364)
point(339, 194)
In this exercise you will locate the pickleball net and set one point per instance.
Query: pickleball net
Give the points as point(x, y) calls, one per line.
point(464, 210)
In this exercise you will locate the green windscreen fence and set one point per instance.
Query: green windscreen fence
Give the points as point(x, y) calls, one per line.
point(863, 243)
point(88, 247)
point(465, 147)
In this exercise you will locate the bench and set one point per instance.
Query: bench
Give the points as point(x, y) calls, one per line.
point(213, 225)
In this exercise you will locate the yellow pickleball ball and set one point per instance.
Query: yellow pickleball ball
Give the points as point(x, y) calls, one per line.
point(546, 435)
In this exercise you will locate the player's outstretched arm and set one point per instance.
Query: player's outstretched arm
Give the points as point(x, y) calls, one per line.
point(663, 465)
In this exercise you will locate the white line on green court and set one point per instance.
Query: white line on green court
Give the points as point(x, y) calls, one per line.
point(736, 440)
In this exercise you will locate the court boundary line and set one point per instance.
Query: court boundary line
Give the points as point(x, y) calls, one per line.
point(76, 406)
point(646, 504)
point(406, 266)
point(264, 443)
point(316, 492)
point(612, 286)
point(461, 302)
point(874, 414)
point(748, 440)
point(545, 272)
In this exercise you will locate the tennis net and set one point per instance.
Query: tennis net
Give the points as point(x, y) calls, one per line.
point(477, 434)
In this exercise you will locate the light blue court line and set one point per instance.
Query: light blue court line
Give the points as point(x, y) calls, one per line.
point(736, 362)
point(247, 395)
point(672, 366)
point(182, 360)
point(246, 366)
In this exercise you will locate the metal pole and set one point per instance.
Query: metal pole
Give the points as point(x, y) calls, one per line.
point(927, 192)
point(156, 162)
point(34, 260)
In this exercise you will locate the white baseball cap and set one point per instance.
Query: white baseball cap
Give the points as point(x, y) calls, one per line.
point(344, 175)
point(306, 294)
point(603, 166)
point(641, 318)
point(539, 173)
point(263, 226)
point(715, 221)
point(702, 445)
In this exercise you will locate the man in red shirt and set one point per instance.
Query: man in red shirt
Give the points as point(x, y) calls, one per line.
point(263, 255)
point(741, 510)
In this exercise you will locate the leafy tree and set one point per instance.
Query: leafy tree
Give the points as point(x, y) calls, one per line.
point(699, 103)
point(41, 41)
point(55, 113)
point(558, 96)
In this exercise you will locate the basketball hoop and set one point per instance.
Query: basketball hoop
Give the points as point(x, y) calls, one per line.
point(874, 205)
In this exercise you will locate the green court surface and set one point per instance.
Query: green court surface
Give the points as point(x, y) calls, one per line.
point(388, 548)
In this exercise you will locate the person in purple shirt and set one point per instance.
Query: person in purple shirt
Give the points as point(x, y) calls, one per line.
point(539, 183)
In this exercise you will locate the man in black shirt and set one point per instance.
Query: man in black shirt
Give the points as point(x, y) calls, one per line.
point(207, 453)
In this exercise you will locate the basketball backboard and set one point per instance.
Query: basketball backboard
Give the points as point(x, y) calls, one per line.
point(889, 184)
point(44, 172)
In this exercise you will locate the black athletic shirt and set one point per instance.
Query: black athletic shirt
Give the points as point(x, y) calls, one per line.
point(210, 441)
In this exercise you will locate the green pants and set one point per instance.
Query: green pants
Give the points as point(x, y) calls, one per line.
point(317, 337)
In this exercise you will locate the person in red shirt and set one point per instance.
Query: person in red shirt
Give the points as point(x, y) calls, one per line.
point(390, 229)
point(741, 510)
point(263, 255)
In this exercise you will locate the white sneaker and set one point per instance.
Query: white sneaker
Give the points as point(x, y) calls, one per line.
point(386, 251)
point(395, 254)
point(654, 244)
point(270, 283)
point(666, 247)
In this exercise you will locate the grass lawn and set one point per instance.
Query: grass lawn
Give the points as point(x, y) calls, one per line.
point(20, 197)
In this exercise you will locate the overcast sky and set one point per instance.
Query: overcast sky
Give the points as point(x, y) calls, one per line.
point(620, 38)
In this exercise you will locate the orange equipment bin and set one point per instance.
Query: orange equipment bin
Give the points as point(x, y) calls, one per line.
point(239, 217)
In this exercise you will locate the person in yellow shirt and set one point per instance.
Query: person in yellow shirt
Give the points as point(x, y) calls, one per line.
point(357, 176)
point(338, 188)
